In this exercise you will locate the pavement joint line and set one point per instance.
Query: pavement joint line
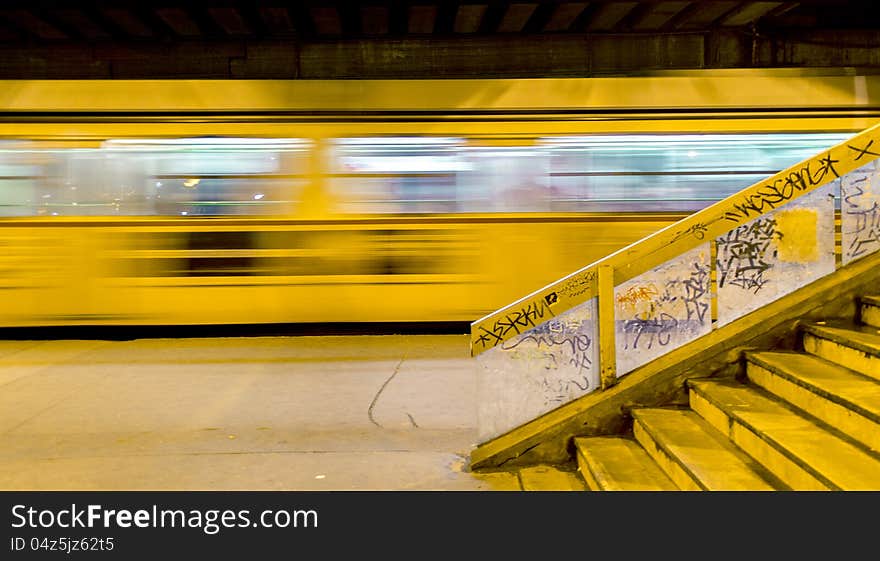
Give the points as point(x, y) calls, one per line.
point(242, 453)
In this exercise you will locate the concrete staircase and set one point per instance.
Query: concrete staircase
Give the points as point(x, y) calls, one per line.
point(805, 420)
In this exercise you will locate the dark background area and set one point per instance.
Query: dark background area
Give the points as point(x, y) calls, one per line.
point(321, 39)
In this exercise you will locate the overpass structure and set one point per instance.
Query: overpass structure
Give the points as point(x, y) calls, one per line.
point(325, 39)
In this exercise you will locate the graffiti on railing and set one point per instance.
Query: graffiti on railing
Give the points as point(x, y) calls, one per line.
point(698, 231)
point(578, 284)
point(781, 191)
point(655, 327)
point(561, 347)
point(860, 212)
point(530, 315)
point(662, 309)
point(538, 370)
point(696, 292)
point(744, 254)
point(770, 256)
point(861, 152)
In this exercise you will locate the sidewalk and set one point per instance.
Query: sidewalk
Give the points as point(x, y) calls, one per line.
point(383, 412)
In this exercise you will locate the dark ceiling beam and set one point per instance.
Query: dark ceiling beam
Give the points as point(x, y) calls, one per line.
point(857, 15)
point(659, 16)
point(782, 9)
point(681, 17)
point(639, 13)
point(230, 20)
point(746, 13)
point(703, 15)
point(349, 15)
point(253, 18)
point(301, 18)
point(539, 18)
point(207, 25)
point(158, 26)
point(446, 13)
point(374, 19)
point(492, 16)
point(469, 17)
point(398, 18)
point(562, 16)
point(270, 20)
point(606, 17)
point(328, 21)
point(583, 19)
point(33, 25)
point(517, 16)
point(130, 23)
point(180, 21)
point(421, 19)
point(75, 23)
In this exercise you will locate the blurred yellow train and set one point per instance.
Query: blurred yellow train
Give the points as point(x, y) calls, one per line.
point(184, 202)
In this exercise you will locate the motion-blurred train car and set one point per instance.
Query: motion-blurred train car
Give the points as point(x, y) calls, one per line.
point(133, 202)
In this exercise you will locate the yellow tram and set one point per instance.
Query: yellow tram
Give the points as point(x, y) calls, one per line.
point(184, 202)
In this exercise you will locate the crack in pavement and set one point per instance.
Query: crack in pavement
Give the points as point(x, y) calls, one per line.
point(376, 397)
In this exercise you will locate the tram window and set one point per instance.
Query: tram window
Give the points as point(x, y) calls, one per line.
point(84, 182)
point(506, 179)
point(395, 174)
point(215, 176)
point(51, 181)
point(19, 174)
point(668, 172)
point(187, 176)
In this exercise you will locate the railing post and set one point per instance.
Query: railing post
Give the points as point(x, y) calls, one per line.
point(607, 358)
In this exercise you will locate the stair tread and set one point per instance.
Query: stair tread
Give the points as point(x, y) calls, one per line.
point(714, 461)
point(831, 458)
point(549, 478)
point(871, 299)
point(862, 337)
point(837, 383)
point(621, 464)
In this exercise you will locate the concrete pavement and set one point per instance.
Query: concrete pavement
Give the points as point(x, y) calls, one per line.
point(385, 412)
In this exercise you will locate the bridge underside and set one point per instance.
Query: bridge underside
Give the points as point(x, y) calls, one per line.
point(459, 57)
point(409, 39)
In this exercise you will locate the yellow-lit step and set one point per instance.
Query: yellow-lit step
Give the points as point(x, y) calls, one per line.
point(871, 310)
point(799, 451)
point(846, 400)
point(616, 463)
point(550, 478)
point(694, 455)
point(855, 347)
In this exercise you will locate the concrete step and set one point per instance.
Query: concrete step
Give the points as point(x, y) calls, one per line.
point(842, 398)
point(799, 451)
point(550, 478)
point(851, 346)
point(694, 455)
point(615, 463)
point(871, 310)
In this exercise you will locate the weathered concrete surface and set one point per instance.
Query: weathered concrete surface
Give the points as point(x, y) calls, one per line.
point(465, 56)
point(262, 413)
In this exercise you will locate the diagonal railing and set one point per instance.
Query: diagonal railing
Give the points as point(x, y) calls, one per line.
point(581, 333)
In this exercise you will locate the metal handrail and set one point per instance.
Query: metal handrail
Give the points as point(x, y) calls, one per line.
point(598, 279)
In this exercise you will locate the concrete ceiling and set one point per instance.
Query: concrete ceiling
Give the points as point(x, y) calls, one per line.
point(140, 20)
point(422, 38)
